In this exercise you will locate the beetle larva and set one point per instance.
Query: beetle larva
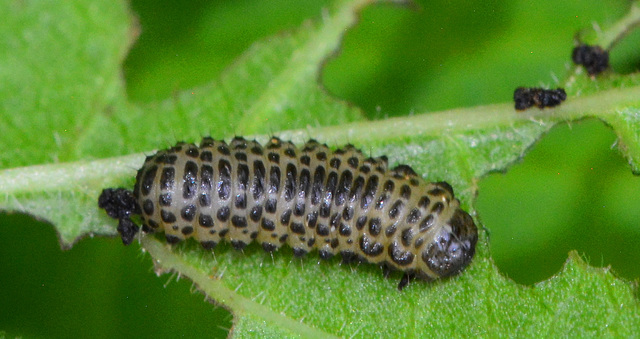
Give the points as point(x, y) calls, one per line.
point(309, 198)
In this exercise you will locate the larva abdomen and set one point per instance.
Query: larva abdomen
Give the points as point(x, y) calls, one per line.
point(309, 198)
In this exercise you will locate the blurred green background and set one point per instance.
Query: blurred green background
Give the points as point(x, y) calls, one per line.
point(572, 191)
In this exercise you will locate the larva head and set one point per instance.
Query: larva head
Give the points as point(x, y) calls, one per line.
point(453, 247)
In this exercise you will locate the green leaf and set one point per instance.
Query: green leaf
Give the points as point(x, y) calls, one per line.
point(64, 104)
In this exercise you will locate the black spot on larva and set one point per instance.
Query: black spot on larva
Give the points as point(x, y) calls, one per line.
point(361, 222)
point(344, 187)
point(407, 236)
point(403, 172)
point(426, 224)
point(190, 178)
point(332, 183)
point(207, 142)
point(290, 182)
point(334, 163)
point(353, 162)
point(224, 183)
point(424, 202)
point(375, 226)
point(147, 207)
point(256, 150)
point(167, 216)
point(402, 258)
point(335, 243)
point(223, 149)
point(167, 178)
point(223, 213)
point(285, 217)
point(330, 196)
point(365, 169)
point(239, 221)
point(348, 256)
point(369, 192)
point(347, 213)
point(305, 160)
point(318, 185)
point(205, 200)
point(381, 201)
point(414, 216)
point(256, 213)
point(437, 191)
point(345, 229)
point(268, 225)
point(188, 212)
point(274, 179)
point(305, 183)
point(206, 178)
point(172, 239)
point(152, 223)
point(206, 156)
point(271, 205)
point(312, 219)
point(299, 252)
point(205, 220)
point(396, 209)
point(243, 177)
point(258, 179)
point(445, 186)
point(208, 245)
point(269, 247)
point(323, 230)
point(370, 247)
point(390, 230)
point(437, 208)
point(147, 180)
point(356, 189)
point(335, 220)
point(388, 186)
point(405, 192)
point(274, 157)
point(325, 255)
point(297, 228)
point(238, 245)
point(192, 152)
point(241, 201)
point(325, 209)
point(167, 159)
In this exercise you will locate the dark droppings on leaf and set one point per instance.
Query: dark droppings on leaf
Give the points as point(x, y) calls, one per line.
point(525, 97)
point(594, 59)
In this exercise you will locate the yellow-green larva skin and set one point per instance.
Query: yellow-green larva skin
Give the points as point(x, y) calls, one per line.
point(308, 198)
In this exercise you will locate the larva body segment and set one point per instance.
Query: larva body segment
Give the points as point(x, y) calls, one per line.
point(308, 198)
